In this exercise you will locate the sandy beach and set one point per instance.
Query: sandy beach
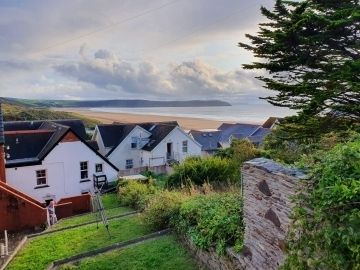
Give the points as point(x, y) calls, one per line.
point(109, 117)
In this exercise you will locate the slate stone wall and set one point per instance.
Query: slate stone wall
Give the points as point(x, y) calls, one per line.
point(268, 188)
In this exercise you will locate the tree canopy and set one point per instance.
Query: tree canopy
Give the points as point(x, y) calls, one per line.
point(311, 50)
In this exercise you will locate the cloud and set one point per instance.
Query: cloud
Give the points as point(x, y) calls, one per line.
point(42, 39)
point(191, 79)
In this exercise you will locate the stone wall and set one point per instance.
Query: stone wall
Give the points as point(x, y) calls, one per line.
point(209, 259)
point(267, 188)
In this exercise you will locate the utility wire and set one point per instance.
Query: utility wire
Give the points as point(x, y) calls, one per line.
point(144, 13)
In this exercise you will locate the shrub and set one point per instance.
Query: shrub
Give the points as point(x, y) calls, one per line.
point(239, 151)
point(162, 208)
point(325, 233)
point(135, 194)
point(213, 220)
point(200, 170)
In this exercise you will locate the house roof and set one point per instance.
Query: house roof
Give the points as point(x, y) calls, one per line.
point(158, 133)
point(236, 130)
point(269, 123)
point(31, 146)
point(226, 132)
point(26, 145)
point(209, 140)
point(113, 134)
point(75, 124)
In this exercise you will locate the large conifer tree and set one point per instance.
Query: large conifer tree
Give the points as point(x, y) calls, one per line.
point(311, 50)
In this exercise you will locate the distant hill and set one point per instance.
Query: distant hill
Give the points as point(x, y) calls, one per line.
point(14, 112)
point(134, 103)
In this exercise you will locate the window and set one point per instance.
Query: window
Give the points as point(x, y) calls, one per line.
point(134, 142)
point(99, 168)
point(129, 164)
point(84, 174)
point(41, 177)
point(185, 146)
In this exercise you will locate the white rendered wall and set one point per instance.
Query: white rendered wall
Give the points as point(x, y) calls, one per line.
point(157, 156)
point(63, 172)
point(124, 151)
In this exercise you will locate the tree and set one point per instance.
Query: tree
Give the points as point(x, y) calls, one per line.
point(311, 49)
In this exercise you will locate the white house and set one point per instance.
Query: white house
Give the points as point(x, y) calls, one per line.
point(141, 145)
point(52, 160)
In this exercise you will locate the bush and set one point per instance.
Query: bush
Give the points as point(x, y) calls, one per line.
point(162, 208)
point(213, 220)
point(200, 170)
point(325, 233)
point(239, 151)
point(135, 194)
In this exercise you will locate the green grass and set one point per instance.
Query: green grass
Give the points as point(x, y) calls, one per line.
point(112, 208)
point(110, 200)
point(89, 217)
point(39, 252)
point(161, 254)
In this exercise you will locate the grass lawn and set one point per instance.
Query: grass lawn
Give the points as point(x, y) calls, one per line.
point(161, 254)
point(110, 200)
point(89, 217)
point(39, 252)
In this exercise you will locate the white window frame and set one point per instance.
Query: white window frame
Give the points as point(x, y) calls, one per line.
point(41, 177)
point(185, 146)
point(102, 167)
point(83, 170)
point(127, 165)
point(134, 142)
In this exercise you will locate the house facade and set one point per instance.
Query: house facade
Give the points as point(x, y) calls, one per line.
point(52, 162)
point(141, 145)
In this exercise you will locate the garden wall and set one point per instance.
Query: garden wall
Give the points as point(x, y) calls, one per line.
point(267, 189)
point(19, 212)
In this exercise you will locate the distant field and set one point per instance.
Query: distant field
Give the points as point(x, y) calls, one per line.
point(162, 253)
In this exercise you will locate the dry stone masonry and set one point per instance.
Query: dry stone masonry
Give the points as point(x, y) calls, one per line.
point(268, 188)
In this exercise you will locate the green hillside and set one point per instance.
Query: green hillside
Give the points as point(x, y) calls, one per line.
point(20, 113)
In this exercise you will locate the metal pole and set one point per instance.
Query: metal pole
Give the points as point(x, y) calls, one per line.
point(6, 244)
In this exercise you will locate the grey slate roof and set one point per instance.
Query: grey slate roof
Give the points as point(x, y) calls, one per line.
point(209, 140)
point(113, 134)
point(158, 133)
point(75, 124)
point(239, 131)
point(29, 142)
point(226, 132)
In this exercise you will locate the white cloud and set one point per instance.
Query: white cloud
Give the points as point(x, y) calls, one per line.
point(35, 36)
point(191, 79)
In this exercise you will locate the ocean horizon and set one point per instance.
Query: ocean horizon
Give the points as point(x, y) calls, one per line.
point(246, 113)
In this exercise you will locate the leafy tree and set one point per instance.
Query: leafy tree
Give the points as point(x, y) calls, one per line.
point(311, 50)
point(239, 151)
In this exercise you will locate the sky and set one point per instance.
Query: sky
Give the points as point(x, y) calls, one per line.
point(128, 49)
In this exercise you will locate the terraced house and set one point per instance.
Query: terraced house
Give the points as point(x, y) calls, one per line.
point(135, 147)
point(43, 161)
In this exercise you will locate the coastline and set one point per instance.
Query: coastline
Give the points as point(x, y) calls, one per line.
point(109, 117)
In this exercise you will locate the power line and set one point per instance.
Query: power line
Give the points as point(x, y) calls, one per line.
point(198, 29)
point(144, 13)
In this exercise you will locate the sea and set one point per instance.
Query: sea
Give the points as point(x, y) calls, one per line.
point(240, 112)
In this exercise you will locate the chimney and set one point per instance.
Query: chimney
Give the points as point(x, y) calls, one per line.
point(2, 148)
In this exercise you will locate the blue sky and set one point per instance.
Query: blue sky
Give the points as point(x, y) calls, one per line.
point(160, 49)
